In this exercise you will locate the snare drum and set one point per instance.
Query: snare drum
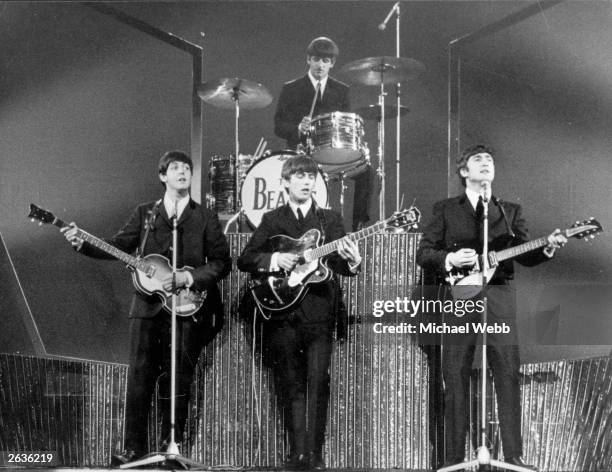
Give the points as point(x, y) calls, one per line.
point(222, 180)
point(337, 140)
point(262, 189)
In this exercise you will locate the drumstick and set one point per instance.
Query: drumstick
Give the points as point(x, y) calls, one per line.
point(258, 146)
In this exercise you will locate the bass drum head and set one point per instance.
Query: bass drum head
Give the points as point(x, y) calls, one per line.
point(262, 189)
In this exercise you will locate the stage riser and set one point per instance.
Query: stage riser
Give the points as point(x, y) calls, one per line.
point(380, 394)
point(567, 415)
point(74, 409)
point(379, 388)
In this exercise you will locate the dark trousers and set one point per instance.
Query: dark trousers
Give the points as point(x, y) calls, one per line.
point(300, 356)
point(150, 362)
point(503, 359)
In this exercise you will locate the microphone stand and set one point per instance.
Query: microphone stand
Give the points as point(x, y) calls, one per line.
point(172, 452)
point(483, 455)
point(398, 91)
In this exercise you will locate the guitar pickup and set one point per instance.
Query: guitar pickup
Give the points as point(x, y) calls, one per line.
point(151, 271)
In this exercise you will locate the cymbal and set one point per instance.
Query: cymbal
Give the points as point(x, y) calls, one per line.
point(382, 69)
point(372, 112)
point(223, 92)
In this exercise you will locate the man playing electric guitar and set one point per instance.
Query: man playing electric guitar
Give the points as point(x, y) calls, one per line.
point(453, 241)
point(300, 339)
point(201, 245)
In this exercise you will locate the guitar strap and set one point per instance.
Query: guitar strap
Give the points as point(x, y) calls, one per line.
point(498, 202)
point(149, 223)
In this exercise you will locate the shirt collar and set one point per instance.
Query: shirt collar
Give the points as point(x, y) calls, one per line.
point(304, 207)
point(314, 81)
point(169, 205)
point(473, 196)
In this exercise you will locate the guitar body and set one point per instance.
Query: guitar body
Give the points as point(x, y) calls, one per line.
point(466, 284)
point(284, 292)
point(188, 302)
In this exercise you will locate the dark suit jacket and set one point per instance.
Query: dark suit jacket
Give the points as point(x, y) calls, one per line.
point(295, 101)
point(202, 245)
point(322, 300)
point(454, 226)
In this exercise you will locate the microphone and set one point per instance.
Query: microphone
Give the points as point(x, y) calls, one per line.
point(395, 8)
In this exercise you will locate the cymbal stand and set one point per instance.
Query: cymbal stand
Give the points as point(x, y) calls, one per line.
point(172, 452)
point(237, 202)
point(342, 190)
point(398, 127)
point(381, 144)
point(483, 455)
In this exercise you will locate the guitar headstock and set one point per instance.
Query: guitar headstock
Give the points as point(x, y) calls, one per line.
point(404, 219)
point(40, 215)
point(585, 229)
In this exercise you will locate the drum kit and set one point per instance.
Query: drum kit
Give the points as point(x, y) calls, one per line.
point(251, 184)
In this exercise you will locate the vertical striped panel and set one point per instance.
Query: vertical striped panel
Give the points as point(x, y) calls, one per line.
point(566, 415)
point(72, 408)
point(379, 384)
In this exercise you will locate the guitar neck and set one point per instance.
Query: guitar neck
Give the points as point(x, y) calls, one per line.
point(131, 261)
point(329, 248)
point(521, 249)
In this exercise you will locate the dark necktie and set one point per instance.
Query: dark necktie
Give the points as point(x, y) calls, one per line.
point(479, 209)
point(300, 217)
point(318, 92)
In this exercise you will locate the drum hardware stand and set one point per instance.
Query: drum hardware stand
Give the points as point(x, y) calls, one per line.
point(396, 9)
point(172, 452)
point(483, 455)
point(342, 190)
point(398, 126)
point(237, 218)
point(381, 144)
point(237, 203)
point(227, 93)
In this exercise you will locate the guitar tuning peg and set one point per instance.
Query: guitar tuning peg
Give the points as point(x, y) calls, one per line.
point(32, 220)
point(40, 223)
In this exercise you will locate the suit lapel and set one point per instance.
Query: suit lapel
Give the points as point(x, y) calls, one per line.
point(164, 214)
point(187, 212)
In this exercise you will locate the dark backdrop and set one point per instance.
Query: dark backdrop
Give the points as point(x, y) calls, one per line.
point(87, 106)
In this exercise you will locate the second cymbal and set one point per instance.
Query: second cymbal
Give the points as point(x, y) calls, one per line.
point(224, 92)
point(382, 69)
point(372, 112)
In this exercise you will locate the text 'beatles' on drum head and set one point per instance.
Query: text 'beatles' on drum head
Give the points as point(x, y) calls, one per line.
point(263, 190)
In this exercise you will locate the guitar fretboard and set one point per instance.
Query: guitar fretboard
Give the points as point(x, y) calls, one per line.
point(328, 248)
point(520, 249)
point(132, 261)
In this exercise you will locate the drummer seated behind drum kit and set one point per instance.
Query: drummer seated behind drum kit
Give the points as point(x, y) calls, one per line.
point(313, 116)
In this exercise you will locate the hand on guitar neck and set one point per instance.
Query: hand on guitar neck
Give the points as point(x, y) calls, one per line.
point(169, 282)
point(71, 233)
point(347, 249)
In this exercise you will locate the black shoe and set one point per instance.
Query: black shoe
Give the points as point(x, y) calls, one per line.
point(316, 461)
point(519, 462)
point(297, 462)
point(129, 455)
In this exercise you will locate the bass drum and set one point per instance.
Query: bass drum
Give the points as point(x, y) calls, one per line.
point(262, 189)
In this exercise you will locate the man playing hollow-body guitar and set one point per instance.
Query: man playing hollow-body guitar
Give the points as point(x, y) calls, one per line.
point(201, 246)
point(300, 340)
